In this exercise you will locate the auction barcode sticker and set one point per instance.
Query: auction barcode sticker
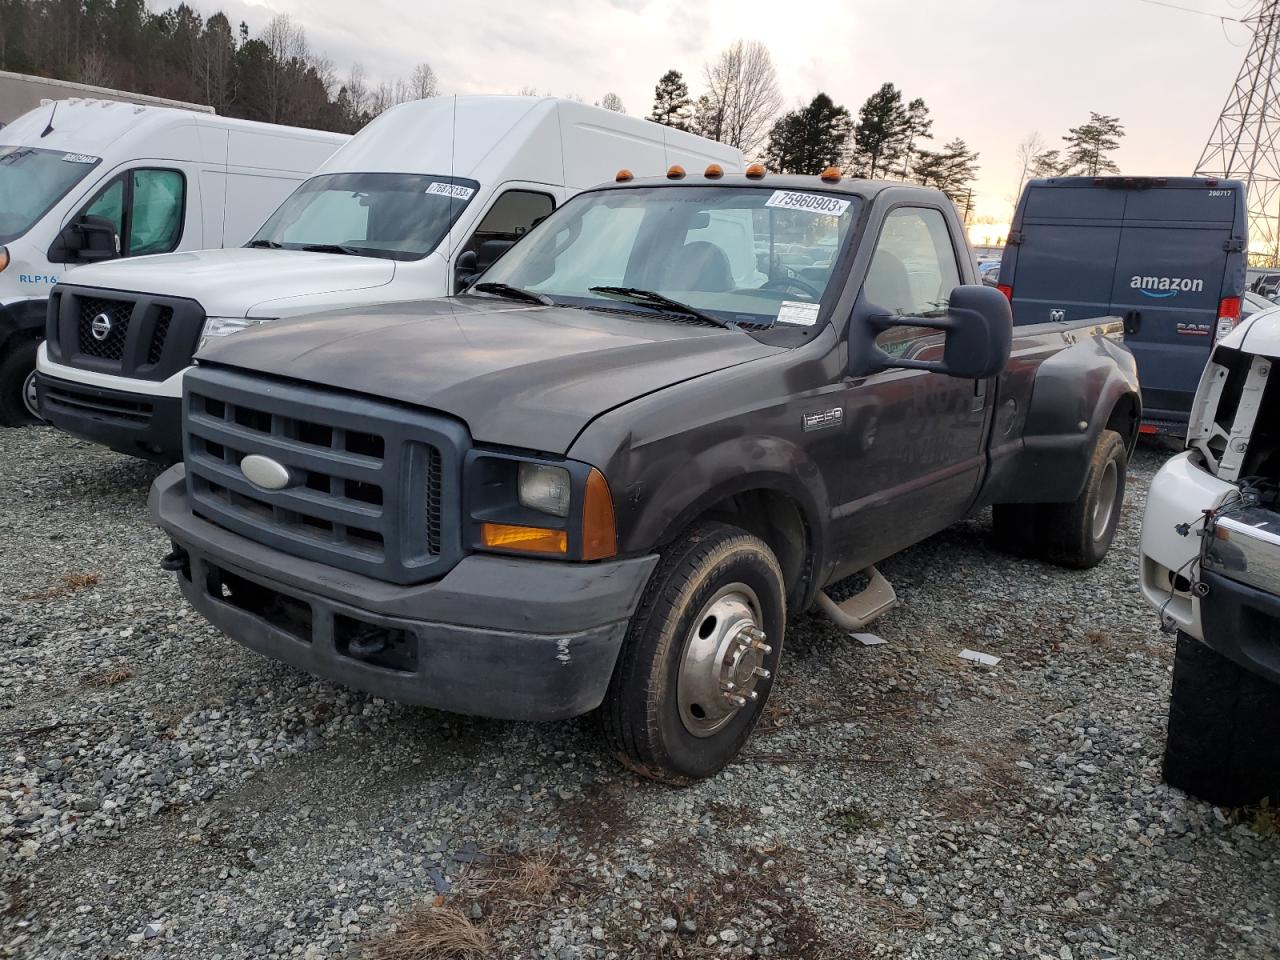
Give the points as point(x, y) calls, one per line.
point(798, 312)
point(809, 202)
point(78, 158)
point(450, 190)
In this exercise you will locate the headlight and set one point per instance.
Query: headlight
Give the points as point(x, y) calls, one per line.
point(544, 488)
point(224, 327)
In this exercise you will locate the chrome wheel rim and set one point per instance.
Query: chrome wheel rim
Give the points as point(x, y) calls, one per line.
point(722, 661)
point(1108, 489)
point(29, 395)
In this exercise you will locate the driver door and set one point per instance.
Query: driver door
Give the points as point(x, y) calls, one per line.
point(915, 439)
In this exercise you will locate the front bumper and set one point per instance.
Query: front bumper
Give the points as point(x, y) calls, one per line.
point(1243, 624)
point(499, 637)
point(1179, 494)
point(141, 425)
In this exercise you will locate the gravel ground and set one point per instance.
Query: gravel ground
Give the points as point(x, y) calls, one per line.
point(165, 793)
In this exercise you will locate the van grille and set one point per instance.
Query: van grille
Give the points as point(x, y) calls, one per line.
point(144, 336)
point(371, 488)
point(104, 326)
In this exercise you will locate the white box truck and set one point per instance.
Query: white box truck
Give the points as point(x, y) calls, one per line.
point(414, 207)
point(84, 181)
point(20, 92)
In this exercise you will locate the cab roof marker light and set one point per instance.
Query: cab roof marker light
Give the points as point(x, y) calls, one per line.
point(624, 176)
point(714, 171)
point(831, 175)
point(755, 171)
point(676, 172)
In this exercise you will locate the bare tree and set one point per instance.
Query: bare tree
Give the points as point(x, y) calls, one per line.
point(423, 83)
point(529, 90)
point(358, 93)
point(611, 101)
point(1031, 148)
point(94, 69)
point(742, 96)
point(287, 44)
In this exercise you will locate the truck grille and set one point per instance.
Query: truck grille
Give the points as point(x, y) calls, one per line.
point(134, 335)
point(371, 488)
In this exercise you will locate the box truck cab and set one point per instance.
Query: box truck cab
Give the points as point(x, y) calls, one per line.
point(82, 181)
point(1166, 253)
point(414, 207)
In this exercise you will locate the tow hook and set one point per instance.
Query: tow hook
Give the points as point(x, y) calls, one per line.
point(367, 643)
point(177, 560)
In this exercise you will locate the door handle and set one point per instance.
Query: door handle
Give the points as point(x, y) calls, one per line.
point(1132, 322)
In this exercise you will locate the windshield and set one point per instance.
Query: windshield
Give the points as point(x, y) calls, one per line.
point(32, 181)
point(398, 216)
point(745, 255)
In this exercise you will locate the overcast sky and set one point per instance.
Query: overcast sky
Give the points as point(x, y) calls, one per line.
point(991, 72)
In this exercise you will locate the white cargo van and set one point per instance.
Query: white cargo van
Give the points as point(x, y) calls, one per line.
point(417, 204)
point(90, 180)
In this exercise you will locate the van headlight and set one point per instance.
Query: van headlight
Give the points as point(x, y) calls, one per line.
point(224, 327)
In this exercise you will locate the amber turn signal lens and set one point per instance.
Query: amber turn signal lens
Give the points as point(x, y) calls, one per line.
point(714, 172)
point(676, 173)
point(4, 258)
point(831, 175)
point(755, 171)
point(506, 536)
point(599, 535)
point(624, 176)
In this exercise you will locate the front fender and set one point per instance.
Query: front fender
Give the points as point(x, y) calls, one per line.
point(23, 318)
point(1074, 394)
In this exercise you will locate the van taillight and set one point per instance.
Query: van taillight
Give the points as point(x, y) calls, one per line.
point(1007, 290)
point(1228, 316)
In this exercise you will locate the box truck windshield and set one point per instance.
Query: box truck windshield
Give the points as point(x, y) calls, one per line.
point(395, 216)
point(32, 181)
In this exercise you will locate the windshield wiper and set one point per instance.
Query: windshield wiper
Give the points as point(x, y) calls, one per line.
point(268, 244)
point(514, 293)
point(649, 298)
point(331, 248)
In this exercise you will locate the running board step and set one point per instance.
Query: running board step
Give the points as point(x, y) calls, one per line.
point(876, 599)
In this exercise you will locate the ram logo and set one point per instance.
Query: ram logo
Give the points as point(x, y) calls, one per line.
point(1057, 316)
point(1162, 287)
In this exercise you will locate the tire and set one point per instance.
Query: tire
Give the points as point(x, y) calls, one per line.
point(1222, 745)
point(1076, 534)
point(666, 715)
point(17, 366)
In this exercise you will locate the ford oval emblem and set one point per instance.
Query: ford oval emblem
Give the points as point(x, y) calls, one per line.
point(264, 472)
point(100, 326)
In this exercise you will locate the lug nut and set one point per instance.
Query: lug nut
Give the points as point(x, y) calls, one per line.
point(762, 647)
point(736, 700)
point(762, 673)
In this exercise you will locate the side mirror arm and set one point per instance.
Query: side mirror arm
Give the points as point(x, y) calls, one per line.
point(879, 361)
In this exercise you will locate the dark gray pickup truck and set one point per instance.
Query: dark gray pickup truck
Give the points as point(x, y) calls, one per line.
point(607, 475)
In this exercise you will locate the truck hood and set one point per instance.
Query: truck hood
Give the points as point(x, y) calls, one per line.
point(530, 377)
point(229, 283)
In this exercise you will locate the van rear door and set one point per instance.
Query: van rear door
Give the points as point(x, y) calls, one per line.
point(1062, 259)
point(1173, 268)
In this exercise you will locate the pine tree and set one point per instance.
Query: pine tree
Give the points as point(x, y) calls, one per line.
point(951, 169)
point(878, 134)
point(809, 139)
point(1089, 144)
point(918, 127)
point(671, 103)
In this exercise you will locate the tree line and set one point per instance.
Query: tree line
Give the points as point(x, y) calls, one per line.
point(276, 77)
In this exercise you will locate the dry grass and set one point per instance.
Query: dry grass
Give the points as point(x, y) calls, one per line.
point(106, 678)
point(429, 932)
point(67, 583)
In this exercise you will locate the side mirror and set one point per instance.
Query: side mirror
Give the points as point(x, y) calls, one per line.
point(472, 263)
point(87, 239)
point(978, 328)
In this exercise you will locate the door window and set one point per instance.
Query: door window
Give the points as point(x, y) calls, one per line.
point(146, 207)
point(512, 216)
point(912, 274)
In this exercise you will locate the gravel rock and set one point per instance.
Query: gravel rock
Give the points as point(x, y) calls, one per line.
point(895, 801)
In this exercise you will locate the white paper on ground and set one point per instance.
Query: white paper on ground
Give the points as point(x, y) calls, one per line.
point(868, 639)
point(986, 659)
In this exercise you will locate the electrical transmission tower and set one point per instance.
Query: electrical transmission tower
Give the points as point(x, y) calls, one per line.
point(1245, 144)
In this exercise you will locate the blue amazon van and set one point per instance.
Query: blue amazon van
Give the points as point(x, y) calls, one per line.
point(1167, 254)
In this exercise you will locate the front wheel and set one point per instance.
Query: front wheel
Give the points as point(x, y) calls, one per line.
point(18, 383)
point(700, 656)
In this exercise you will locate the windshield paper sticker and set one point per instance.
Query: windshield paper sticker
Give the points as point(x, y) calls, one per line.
point(809, 202)
point(798, 313)
point(78, 158)
point(450, 190)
